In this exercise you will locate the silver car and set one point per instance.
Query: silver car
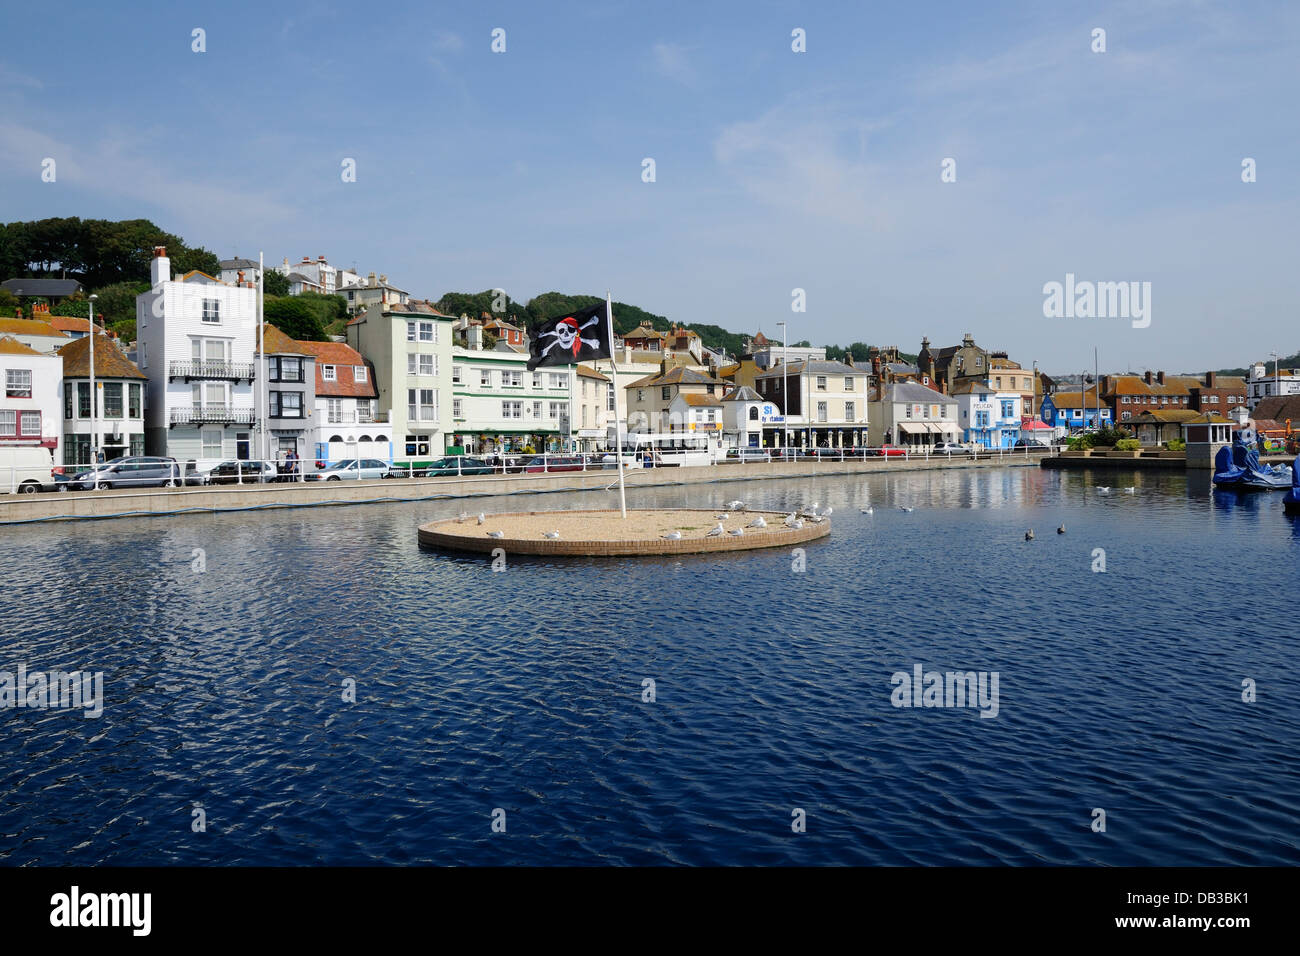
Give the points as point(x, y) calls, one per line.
point(352, 469)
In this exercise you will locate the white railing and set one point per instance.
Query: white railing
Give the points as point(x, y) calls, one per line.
point(189, 473)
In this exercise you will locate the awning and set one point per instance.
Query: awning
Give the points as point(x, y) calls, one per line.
point(914, 428)
point(947, 428)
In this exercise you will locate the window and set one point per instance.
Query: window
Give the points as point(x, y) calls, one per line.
point(67, 400)
point(290, 369)
point(850, 411)
point(18, 383)
point(512, 379)
point(421, 404)
point(286, 404)
point(609, 397)
point(821, 411)
point(83, 399)
point(907, 411)
point(537, 380)
point(411, 363)
point(211, 442)
point(821, 383)
point(512, 409)
point(1008, 408)
point(457, 408)
point(925, 410)
point(640, 395)
point(666, 392)
point(112, 399)
point(537, 409)
point(417, 444)
point(360, 373)
point(334, 411)
point(848, 383)
point(999, 381)
point(327, 373)
point(558, 380)
point(410, 335)
point(981, 419)
point(1124, 400)
point(428, 365)
point(215, 394)
point(485, 378)
point(8, 423)
point(211, 311)
point(556, 410)
point(427, 332)
point(273, 369)
point(455, 374)
point(1124, 416)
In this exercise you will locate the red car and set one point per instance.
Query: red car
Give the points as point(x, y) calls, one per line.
point(548, 463)
point(889, 451)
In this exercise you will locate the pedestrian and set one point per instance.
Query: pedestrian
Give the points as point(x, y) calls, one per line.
point(292, 460)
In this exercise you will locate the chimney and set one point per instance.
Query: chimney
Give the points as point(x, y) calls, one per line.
point(160, 267)
point(1209, 380)
point(1105, 385)
point(383, 278)
point(1160, 377)
point(1147, 376)
point(241, 278)
point(307, 259)
point(320, 258)
point(370, 280)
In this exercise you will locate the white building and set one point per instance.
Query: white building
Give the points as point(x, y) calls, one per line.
point(695, 414)
point(775, 354)
point(195, 340)
point(988, 417)
point(914, 415)
point(37, 334)
point(826, 406)
point(348, 421)
point(497, 404)
point(231, 270)
point(375, 294)
point(744, 416)
point(1264, 382)
point(119, 417)
point(30, 412)
point(595, 408)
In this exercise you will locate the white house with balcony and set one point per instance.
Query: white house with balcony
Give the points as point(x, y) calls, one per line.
point(348, 422)
point(195, 341)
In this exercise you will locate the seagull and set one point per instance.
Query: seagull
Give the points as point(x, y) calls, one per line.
point(481, 517)
point(1029, 535)
point(715, 532)
point(496, 534)
point(868, 511)
point(909, 510)
point(1103, 490)
point(721, 517)
point(672, 536)
point(797, 526)
point(790, 520)
point(1130, 490)
point(736, 505)
point(736, 531)
point(1061, 529)
point(550, 534)
point(828, 512)
point(757, 523)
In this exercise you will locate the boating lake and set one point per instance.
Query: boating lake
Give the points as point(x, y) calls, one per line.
point(227, 642)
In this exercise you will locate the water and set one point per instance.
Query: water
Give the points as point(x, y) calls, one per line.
point(522, 690)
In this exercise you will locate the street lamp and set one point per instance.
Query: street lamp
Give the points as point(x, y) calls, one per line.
point(94, 418)
point(785, 387)
point(1276, 381)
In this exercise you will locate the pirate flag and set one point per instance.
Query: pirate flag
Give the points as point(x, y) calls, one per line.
point(569, 339)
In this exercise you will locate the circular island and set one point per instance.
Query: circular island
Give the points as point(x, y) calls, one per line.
point(607, 533)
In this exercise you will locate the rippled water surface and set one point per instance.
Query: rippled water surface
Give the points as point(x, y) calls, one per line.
point(522, 690)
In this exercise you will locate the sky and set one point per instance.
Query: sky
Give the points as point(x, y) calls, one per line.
point(774, 170)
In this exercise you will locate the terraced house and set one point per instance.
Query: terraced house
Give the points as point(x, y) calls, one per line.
point(826, 404)
point(498, 405)
point(650, 400)
point(409, 347)
point(348, 422)
point(119, 417)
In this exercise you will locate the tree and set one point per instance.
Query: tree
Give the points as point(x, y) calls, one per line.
point(274, 282)
point(8, 304)
point(294, 318)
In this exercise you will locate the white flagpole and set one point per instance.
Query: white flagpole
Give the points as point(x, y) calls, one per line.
point(260, 397)
point(618, 418)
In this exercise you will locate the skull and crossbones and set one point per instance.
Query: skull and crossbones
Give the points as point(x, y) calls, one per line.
point(568, 335)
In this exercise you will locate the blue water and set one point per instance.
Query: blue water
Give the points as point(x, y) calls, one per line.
point(522, 690)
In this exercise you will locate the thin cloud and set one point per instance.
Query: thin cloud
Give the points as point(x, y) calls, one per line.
point(672, 61)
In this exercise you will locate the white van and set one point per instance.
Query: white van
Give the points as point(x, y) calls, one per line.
point(25, 469)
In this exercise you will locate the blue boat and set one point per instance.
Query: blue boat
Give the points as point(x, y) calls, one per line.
point(1238, 469)
point(1291, 501)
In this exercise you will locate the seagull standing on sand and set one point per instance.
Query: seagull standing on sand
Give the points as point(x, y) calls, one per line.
point(496, 534)
point(757, 523)
point(790, 520)
point(736, 505)
point(550, 534)
point(715, 532)
point(736, 531)
point(797, 526)
point(481, 517)
point(672, 536)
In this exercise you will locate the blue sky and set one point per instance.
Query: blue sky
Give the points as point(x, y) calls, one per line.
point(775, 169)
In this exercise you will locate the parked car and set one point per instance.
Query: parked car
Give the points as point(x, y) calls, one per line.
point(452, 466)
point(353, 469)
point(888, 451)
point(26, 470)
point(950, 448)
point(141, 471)
point(749, 454)
point(231, 472)
point(546, 463)
point(1031, 443)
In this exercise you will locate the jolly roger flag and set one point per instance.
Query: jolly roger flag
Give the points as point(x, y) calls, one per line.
point(570, 338)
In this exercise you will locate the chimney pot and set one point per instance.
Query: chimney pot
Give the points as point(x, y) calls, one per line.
point(1160, 377)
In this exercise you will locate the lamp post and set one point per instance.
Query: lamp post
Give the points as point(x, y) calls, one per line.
point(94, 417)
point(1277, 382)
point(785, 388)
